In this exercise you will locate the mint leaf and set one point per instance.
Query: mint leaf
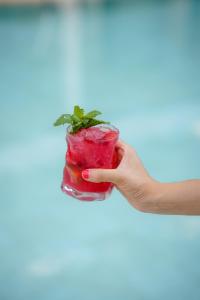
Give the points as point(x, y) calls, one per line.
point(94, 122)
point(85, 121)
point(66, 118)
point(78, 112)
point(93, 114)
point(78, 120)
point(75, 119)
point(76, 128)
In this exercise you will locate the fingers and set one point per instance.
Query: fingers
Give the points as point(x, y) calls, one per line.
point(125, 152)
point(123, 146)
point(101, 175)
point(120, 145)
point(120, 154)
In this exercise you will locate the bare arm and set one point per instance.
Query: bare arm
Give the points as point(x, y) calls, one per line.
point(181, 198)
point(145, 193)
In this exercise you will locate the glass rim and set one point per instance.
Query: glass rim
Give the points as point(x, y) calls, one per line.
point(110, 126)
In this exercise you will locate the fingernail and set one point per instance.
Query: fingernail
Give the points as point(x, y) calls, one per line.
point(85, 174)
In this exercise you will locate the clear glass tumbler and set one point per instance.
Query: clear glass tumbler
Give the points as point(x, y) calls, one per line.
point(93, 147)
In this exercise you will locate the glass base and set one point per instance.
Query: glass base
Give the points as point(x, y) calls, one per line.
point(85, 196)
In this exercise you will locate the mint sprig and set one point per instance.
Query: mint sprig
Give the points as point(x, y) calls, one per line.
point(79, 120)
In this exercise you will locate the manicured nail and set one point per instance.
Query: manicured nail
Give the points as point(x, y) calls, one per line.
point(85, 174)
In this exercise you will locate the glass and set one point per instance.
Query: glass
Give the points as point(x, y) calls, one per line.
point(93, 147)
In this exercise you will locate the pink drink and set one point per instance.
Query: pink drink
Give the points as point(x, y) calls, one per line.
point(89, 148)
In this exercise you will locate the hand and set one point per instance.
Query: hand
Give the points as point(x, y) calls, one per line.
point(145, 193)
point(130, 177)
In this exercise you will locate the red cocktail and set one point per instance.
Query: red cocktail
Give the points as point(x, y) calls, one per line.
point(89, 148)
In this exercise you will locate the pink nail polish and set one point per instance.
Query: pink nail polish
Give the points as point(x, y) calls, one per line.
point(85, 174)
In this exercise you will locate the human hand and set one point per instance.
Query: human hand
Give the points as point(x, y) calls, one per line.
point(130, 177)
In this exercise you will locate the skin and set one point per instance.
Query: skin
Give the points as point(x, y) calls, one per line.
point(145, 193)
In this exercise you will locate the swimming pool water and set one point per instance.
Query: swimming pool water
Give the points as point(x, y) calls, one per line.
point(138, 62)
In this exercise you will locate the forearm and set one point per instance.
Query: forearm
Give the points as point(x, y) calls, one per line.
point(181, 198)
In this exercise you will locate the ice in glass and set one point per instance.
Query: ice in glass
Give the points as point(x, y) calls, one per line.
point(92, 147)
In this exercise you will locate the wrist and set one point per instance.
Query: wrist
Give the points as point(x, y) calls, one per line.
point(151, 196)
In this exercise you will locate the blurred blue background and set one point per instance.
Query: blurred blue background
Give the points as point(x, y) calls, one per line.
point(139, 63)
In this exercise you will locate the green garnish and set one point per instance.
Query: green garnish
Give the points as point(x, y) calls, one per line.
point(79, 119)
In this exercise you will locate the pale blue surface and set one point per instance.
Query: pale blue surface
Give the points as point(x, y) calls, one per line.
point(140, 64)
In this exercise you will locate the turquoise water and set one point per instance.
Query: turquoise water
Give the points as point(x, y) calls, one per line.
point(140, 64)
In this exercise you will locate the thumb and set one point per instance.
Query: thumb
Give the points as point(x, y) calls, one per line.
point(101, 175)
